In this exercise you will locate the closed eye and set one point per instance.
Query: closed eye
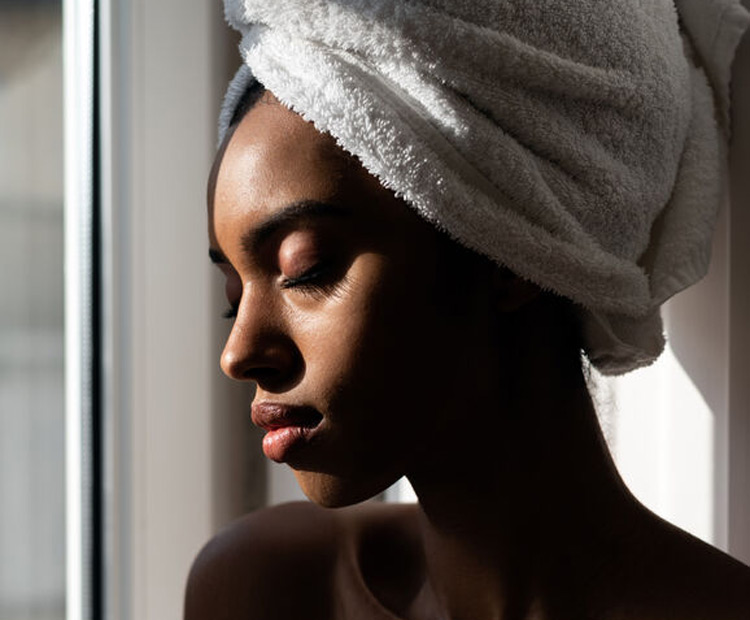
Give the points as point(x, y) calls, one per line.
point(321, 279)
point(314, 275)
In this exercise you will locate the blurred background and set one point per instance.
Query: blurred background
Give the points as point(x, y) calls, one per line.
point(32, 454)
point(122, 447)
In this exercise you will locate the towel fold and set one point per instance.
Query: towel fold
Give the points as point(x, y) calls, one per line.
point(579, 143)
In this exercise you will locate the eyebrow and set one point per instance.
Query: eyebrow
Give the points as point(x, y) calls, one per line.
point(290, 215)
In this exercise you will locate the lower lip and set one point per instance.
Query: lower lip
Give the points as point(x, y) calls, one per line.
point(279, 443)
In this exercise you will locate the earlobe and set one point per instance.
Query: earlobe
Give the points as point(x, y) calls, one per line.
point(511, 293)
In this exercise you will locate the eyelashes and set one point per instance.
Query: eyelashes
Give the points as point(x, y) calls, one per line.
point(320, 281)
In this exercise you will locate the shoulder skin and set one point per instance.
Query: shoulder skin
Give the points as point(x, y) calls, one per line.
point(276, 563)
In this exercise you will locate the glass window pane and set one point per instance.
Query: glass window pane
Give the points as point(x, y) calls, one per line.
point(32, 525)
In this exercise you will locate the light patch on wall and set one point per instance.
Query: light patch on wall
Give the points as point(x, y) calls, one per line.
point(661, 433)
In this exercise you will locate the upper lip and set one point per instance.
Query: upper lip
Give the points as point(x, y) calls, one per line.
point(272, 416)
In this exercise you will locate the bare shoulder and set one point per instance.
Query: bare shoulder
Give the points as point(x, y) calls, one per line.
point(280, 562)
point(691, 579)
point(274, 563)
point(720, 584)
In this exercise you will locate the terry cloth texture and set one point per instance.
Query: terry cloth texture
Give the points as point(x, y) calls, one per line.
point(580, 143)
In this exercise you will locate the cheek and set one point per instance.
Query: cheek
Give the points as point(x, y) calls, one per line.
point(379, 340)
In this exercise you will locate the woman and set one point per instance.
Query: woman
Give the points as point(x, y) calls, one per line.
point(413, 269)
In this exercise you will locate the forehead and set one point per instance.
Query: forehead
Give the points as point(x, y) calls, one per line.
point(273, 158)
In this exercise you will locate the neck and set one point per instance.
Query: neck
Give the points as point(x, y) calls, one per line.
point(527, 505)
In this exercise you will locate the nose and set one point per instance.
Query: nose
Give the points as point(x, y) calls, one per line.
point(260, 347)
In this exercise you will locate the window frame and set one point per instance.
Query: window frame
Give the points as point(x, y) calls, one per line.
point(80, 356)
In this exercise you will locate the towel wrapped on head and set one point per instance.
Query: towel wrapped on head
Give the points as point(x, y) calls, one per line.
point(580, 143)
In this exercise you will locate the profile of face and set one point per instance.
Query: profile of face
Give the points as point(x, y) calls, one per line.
point(364, 347)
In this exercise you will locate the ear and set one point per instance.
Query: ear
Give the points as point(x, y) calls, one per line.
point(511, 293)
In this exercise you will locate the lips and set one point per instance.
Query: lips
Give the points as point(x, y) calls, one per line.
point(288, 427)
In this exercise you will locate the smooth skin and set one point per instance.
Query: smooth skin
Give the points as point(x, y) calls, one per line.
point(429, 362)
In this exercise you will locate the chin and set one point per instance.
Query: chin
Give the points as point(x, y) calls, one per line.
point(333, 491)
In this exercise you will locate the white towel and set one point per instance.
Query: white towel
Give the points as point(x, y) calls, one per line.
point(580, 143)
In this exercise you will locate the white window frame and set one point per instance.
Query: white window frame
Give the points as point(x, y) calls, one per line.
point(78, 80)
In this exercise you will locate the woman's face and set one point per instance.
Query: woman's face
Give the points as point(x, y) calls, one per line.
point(359, 353)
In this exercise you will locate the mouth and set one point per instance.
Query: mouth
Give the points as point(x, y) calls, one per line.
point(287, 427)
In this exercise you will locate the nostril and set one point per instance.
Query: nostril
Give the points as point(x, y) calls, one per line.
point(275, 379)
point(262, 375)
